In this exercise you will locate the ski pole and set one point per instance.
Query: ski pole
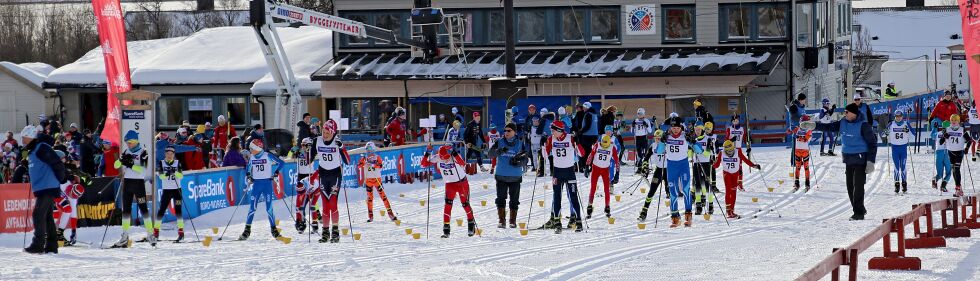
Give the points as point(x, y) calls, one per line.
point(111, 213)
point(656, 218)
point(108, 184)
point(914, 179)
point(969, 170)
point(184, 206)
point(234, 212)
point(534, 188)
point(30, 195)
point(428, 203)
point(713, 194)
point(350, 222)
point(283, 200)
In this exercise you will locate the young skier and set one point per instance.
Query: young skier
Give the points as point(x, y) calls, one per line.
point(709, 133)
point(614, 170)
point(676, 146)
point(536, 138)
point(492, 137)
point(827, 135)
point(641, 128)
point(944, 168)
point(369, 176)
point(562, 154)
point(732, 159)
point(702, 166)
point(331, 155)
point(659, 174)
point(899, 132)
point(169, 172)
point(736, 133)
point(801, 135)
point(134, 160)
point(974, 121)
point(957, 142)
point(604, 154)
point(262, 167)
point(307, 188)
point(67, 204)
point(448, 163)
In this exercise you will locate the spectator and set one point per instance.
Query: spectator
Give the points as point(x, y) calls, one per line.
point(163, 141)
point(304, 127)
point(441, 121)
point(233, 154)
point(701, 113)
point(864, 109)
point(396, 128)
point(46, 173)
point(73, 134)
point(511, 160)
point(314, 128)
point(473, 137)
point(531, 111)
point(945, 108)
point(87, 151)
point(10, 140)
point(891, 92)
point(222, 133)
point(258, 132)
point(194, 159)
point(608, 116)
point(458, 115)
point(796, 110)
point(110, 153)
point(204, 145)
point(859, 151)
point(589, 131)
point(577, 121)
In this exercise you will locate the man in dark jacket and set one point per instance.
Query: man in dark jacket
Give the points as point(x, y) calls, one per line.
point(577, 121)
point(87, 151)
point(859, 149)
point(607, 116)
point(304, 128)
point(473, 137)
point(511, 161)
point(701, 113)
point(46, 173)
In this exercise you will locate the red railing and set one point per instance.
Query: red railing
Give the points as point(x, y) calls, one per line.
point(897, 260)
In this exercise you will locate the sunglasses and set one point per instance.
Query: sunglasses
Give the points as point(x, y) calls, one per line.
point(508, 130)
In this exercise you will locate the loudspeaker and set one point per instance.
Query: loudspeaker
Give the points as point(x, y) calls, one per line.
point(810, 59)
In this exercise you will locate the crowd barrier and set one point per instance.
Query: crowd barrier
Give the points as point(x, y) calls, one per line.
point(204, 191)
point(958, 216)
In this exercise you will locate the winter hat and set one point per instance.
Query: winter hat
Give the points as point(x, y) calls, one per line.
point(370, 147)
point(825, 101)
point(170, 148)
point(511, 126)
point(709, 126)
point(207, 124)
point(544, 111)
point(330, 126)
point(513, 109)
point(181, 130)
point(186, 123)
point(221, 118)
point(605, 142)
point(673, 114)
point(529, 107)
point(73, 125)
point(641, 111)
point(257, 127)
point(201, 129)
point(853, 108)
point(899, 112)
point(561, 111)
point(29, 131)
point(608, 128)
point(132, 136)
point(587, 104)
point(61, 154)
point(314, 120)
point(558, 125)
point(444, 151)
point(697, 102)
point(256, 145)
point(658, 133)
point(801, 96)
point(476, 114)
point(455, 110)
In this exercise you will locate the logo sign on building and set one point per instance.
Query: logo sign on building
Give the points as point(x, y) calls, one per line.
point(640, 19)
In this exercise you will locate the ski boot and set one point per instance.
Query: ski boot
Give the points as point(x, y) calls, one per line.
point(943, 186)
point(588, 213)
point(300, 225)
point(934, 184)
point(246, 233)
point(501, 218)
point(714, 188)
point(905, 187)
point(796, 185)
point(959, 192)
point(391, 215)
point(733, 215)
point(711, 208)
point(643, 215)
point(156, 234)
point(898, 187)
point(445, 230)
point(513, 218)
point(576, 224)
point(61, 236)
point(806, 186)
point(275, 233)
point(123, 241)
point(831, 153)
point(698, 206)
point(180, 235)
point(324, 237)
point(315, 223)
point(370, 219)
point(471, 228)
point(71, 239)
point(687, 219)
point(675, 221)
point(608, 212)
point(823, 153)
point(334, 234)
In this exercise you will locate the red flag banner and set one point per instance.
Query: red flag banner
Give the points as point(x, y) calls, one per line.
point(112, 37)
point(970, 13)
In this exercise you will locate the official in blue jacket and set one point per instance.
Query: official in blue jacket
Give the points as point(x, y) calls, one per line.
point(511, 155)
point(859, 149)
point(47, 172)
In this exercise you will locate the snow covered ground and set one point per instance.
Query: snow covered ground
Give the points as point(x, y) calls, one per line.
point(800, 230)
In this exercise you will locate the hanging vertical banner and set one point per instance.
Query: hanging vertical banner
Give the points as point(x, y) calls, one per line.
point(970, 13)
point(112, 38)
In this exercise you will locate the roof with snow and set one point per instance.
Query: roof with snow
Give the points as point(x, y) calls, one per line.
point(911, 33)
point(222, 55)
point(32, 72)
point(553, 64)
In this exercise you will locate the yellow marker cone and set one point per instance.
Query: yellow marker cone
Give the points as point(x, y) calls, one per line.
point(422, 203)
point(780, 182)
point(771, 189)
point(416, 236)
point(215, 230)
point(791, 174)
point(546, 187)
point(707, 217)
point(277, 223)
point(619, 197)
point(612, 220)
point(523, 232)
point(522, 225)
point(408, 231)
point(61, 244)
point(357, 236)
point(667, 203)
point(479, 232)
point(129, 243)
point(382, 212)
point(344, 231)
point(485, 186)
point(207, 241)
point(398, 222)
point(459, 222)
point(643, 190)
point(641, 226)
point(541, 203)
point(285, 240)
point(755, 199)
point(401, 194)
point(483, 203)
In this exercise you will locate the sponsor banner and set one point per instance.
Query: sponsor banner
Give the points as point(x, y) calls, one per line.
point(640, 19)
point(16, 205)
point(333, 23)
point(909, 105)
point(411, 163)
point(95, 209)
point(209, 190)
point(112, 38)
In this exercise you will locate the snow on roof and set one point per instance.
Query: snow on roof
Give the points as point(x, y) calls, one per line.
point(228, 55)
point(911, 33)
point(35, 72)
point(305, 56)
point(89, 70)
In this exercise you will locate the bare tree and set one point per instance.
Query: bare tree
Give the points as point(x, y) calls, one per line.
point(56, 34)
point(149, 22)
point(323, 6)
point(865, 60)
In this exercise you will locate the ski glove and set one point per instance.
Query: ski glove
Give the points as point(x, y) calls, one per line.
point(757, 167)
point(870, 168)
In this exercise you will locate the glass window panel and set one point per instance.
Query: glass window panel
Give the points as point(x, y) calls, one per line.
point(679, 24)
point(531, 26)
point(572, 25)
point(199, 110)
point(171, 111)
point(604, 25)
point(388, 21)
point(235, 109)
point(821, 23)
point(353, 39)
point(497, 26)
point(738, 22)
point(804, 25)
point(772, 21)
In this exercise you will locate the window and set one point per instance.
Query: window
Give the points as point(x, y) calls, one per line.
point(531, 26)
point(821, 23)
point(604, 25)
point(572, 25)
point(354, 40)
point(738, 22)
point(199, 110)
point(678, 23)
point(170, 111)
point(235, 109)
point(496, 27)
point(389, 21)
point(364, 114)
point(804, 25)
point(772, 21)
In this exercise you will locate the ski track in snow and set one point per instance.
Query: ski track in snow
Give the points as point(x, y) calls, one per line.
point(792, 231)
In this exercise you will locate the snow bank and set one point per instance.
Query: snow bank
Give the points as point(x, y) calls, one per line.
point(89, 70)
point(32, 71)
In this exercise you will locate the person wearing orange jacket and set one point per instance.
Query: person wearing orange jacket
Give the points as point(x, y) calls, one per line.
point(802, 135)
point(732, 158)
point(369, 175)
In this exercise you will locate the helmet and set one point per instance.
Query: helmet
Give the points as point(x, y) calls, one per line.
point(29, 131)
point(370, 147)
point(729, 146)
point(456, 124)
point(330, 126)
point(561, 111)
point(954, 118)
point(399, 111)
point(445, 151)
point(606, 141)
point(256, 145)
point(558, 126)
point(641, 111)
point(587, 104)
point(307, 141)
point(709, 126)
point(899, 112)
point(658, 133)
point(825, 101)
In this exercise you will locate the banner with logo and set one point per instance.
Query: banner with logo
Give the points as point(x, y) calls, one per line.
point(640, 19)
point(408, 158)
point(16, 205)
point(98, 203)
point(112, 38)
point(970, 13)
